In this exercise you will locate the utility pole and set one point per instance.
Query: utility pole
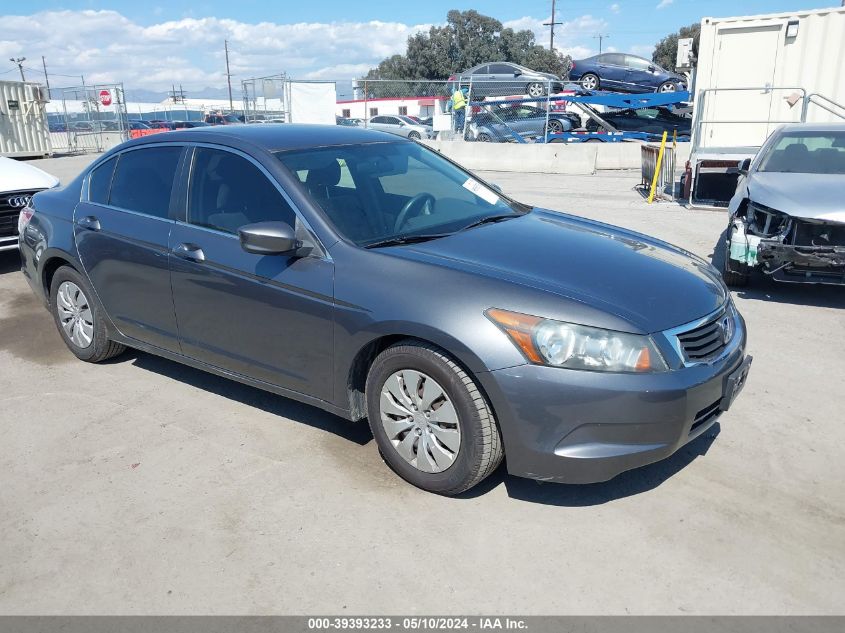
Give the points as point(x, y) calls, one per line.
point(46, 76)
point(600, 37)
point(228, 75)
point(552, 25)
point(19, 61)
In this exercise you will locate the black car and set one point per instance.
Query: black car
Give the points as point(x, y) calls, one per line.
point(368, 275)
point(182, 125)
point(653, 121)
point(627, 73)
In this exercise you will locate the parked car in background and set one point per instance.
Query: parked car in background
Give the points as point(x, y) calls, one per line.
point(82, 126)
point(135, 124)
point(370, 276)
point(401, 126)
point(181, 125)
point(19, 181)
point(626, 73)
point(223, 119)
point(427, 121)
point(499, 79)
point(346, 121)
point(651, 120)
point(161, 125)
point(787, 217)
point(498, 123)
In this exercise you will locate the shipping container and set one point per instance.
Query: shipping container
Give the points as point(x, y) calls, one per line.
point(23, 119)
point(753, 74)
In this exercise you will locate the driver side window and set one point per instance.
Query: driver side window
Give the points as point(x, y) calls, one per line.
point(227, 191)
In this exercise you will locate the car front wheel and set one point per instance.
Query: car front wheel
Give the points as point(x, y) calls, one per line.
point(667, 86)
point(536, 89)
point(79, 318)
point(432, 424)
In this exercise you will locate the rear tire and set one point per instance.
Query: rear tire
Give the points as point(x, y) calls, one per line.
point(414, 136)
point(535, 89)
point(483, 137)
point(79, 317)
point(472, 448)
point(590, 81)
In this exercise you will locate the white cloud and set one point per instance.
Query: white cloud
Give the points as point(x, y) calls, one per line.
point(108, 47)
point(615, 8)
point(664, 3)
point(573, 37)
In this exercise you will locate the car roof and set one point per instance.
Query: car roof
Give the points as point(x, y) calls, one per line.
point(812, 127)
point(274, 137)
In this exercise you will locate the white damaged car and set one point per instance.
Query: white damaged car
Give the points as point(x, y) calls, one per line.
point(19, 181)
point(787, 217)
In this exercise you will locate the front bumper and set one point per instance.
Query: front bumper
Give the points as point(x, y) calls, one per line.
point(586, 427)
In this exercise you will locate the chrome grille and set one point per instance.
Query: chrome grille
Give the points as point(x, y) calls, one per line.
point(9, 214)
point(707, 340)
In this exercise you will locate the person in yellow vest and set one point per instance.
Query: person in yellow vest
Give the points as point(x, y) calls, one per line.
point(459, 108)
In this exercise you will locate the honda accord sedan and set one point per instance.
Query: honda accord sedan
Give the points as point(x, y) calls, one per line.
point(370, 276)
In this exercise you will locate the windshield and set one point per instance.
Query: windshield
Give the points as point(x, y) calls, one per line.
point(380, 191)
point(806, 153)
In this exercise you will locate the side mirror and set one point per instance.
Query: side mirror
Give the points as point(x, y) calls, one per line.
point(268, 238)
point(744, 166)
point(651, 69)
point(517, 73)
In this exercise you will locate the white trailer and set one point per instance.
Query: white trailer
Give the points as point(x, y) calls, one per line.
point(23, 120)
point(755, 73)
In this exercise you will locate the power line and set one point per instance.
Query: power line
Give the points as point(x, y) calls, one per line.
point(601, 37)
point(19, 62)
point(552, 25)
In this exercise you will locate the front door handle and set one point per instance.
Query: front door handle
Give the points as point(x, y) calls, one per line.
point(191, 252)
point(89, 222)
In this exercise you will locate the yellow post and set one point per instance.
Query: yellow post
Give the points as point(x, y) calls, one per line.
point(657, 168)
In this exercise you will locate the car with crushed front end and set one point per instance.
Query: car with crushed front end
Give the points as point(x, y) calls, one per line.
point(787, 217)
point(370, 276)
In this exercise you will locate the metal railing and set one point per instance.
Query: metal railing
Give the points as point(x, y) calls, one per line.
point(825, 103)
point(665, 183)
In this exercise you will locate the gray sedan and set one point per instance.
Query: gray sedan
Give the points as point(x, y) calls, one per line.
point(500, 79)
point(371, 277)
point(401, 126)
point(787, 217)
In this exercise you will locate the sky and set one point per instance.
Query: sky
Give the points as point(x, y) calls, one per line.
point(155, 44)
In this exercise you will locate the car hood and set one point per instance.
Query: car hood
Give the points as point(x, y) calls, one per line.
point(16, 175)
point(650, 284)
point(809, 196)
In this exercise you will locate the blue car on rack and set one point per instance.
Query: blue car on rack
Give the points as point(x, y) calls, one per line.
point(626, 73)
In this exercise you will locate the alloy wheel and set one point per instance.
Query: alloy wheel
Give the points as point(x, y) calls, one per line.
point(420, 420)
point(589, 82)
point(536, 90)
point(668, 87)
point(555, 126)
point(75, 314)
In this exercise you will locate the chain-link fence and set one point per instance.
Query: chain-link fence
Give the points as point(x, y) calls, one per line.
point(90, 119)
point(461, 109)
point(266, 99)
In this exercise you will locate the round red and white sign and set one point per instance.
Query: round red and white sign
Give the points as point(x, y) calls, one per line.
point(105, 97)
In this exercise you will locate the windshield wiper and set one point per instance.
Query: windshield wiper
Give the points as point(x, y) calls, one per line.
point(490, 219)
point(406, 239)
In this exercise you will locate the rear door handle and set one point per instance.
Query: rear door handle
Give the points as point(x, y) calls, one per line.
point(191, 252)
point(89, 222)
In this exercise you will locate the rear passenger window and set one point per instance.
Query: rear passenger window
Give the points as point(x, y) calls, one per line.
point(227, 191)
point(100, 181)
point(144, 179)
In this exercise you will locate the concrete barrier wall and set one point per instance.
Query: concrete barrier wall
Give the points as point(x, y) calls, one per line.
point(554, 158)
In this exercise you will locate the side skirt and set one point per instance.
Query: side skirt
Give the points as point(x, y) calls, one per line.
point(212, 369)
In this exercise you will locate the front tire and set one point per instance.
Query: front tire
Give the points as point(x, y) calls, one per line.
point(414, 136)
point(535, 89)
point(79, 317)
point(483, 137)
point(432, 424)
point(667, 86)
point(732, 278)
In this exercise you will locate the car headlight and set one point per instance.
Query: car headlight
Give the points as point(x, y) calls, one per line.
point(573, 346)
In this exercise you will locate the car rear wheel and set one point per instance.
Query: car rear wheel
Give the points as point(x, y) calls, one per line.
point(535, 89)
point(414, 136)
point(79, 318)
point(432, 424)
point(483, 137)
point(667, 86)
point(590, 82)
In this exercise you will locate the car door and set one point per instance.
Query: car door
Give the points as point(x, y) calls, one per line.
point(267, 317)
point(612, 70)
point(122, 229)
point(505, 81)
point(378, 123)
point(480, 82)
point(638, 75)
